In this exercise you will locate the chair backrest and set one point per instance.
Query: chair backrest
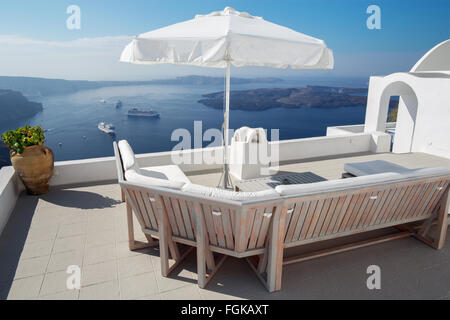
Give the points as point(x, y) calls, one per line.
point(334, 214)
point(140, 200)
point(119, 164)
point(229, 227)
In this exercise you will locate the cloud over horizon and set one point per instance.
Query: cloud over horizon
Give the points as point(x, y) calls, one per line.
point(97, 58)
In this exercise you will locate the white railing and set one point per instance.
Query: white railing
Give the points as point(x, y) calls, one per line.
point(354, 128)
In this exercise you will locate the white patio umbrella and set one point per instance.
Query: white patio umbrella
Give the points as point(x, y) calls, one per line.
point(227, 37)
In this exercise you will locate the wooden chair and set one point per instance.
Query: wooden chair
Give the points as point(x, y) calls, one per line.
point(218, 228)
point(330, 215)
point(148, 212)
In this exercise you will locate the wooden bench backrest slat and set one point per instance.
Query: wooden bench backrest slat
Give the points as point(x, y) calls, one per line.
point(172, 221)
point(187, 219)
point(178, 217)
point(334, 214)
point(143, 209)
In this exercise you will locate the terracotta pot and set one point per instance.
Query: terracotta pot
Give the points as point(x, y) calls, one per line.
point(34, 167)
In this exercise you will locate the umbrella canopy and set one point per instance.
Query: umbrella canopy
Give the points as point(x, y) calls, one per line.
point(222, 38)
point(214, 39)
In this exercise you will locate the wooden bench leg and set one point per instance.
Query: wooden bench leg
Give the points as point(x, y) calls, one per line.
point(442, 223)
point(132, 243)
point(271, 261)
point(439, 219)
point(262, 263)
point(206, 265)
point(166, 245)
point(275, 250)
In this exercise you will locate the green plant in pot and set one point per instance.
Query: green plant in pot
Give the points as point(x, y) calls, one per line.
point(32, 160)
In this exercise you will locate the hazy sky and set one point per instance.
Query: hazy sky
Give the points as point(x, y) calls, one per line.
point(34, 39)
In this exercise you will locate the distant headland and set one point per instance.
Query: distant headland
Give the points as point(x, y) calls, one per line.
point(42, 87)
point(311, 96)
point(14, 106)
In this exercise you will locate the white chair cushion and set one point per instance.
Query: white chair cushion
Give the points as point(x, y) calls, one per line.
point(374, 167)
point(169, 172)
point(359, 182)
point(246, 134)
point(136, 177)
point(127, 155)
point(221, 194)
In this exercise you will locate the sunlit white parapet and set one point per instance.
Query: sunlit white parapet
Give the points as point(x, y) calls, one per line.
point(424, 105)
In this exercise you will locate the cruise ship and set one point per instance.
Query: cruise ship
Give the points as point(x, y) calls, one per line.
point(142, 113)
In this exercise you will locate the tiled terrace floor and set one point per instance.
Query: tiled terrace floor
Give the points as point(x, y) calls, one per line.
point(86, 226)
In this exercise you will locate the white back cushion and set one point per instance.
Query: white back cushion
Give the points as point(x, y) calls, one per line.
point(221, 194)
point(127, 155)
point(374, 167)
point(359, 182)
point(133, 176)
point(169, 172)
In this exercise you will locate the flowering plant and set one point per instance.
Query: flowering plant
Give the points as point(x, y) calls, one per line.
point(17, 140)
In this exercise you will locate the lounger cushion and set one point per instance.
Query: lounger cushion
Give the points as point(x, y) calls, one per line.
point(169, 172)
point(374, 167)
point(127, 155)
point(136, 177)
point(359, 182)
point(221, 194)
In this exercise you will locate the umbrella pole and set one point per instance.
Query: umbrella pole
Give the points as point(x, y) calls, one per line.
point(226, 123)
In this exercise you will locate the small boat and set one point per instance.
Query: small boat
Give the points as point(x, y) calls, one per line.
point(119, 104)
point(106, 128)
point(142, 113)
point(102, 100)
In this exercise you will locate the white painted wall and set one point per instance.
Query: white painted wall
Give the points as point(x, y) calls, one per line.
point(437, 59)
point(324, 146)
point(423, 123)
point(432, 129)
point(339, 130)
point(104, 169)
point(423, 120)
point(10, 188)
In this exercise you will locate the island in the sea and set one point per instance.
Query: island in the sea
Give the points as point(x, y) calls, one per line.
point(14, 106)
point(311, 96)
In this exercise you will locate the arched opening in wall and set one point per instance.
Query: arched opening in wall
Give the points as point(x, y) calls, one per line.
point(391, 120)
point(405, 116)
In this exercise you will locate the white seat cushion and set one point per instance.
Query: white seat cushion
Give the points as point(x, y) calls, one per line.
point(160, 176)
point(374, 167)
point(127, 155)
point(169, 172)
point(147, 180)
point(221, 194)
point(359, 182)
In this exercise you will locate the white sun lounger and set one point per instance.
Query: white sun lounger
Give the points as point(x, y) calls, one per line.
point(374, 167)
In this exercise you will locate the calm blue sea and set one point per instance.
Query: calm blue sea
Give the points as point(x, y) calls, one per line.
point(71, 120)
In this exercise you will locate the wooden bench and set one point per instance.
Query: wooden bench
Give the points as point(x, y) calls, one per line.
point(330, 215)
point(259, 230)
